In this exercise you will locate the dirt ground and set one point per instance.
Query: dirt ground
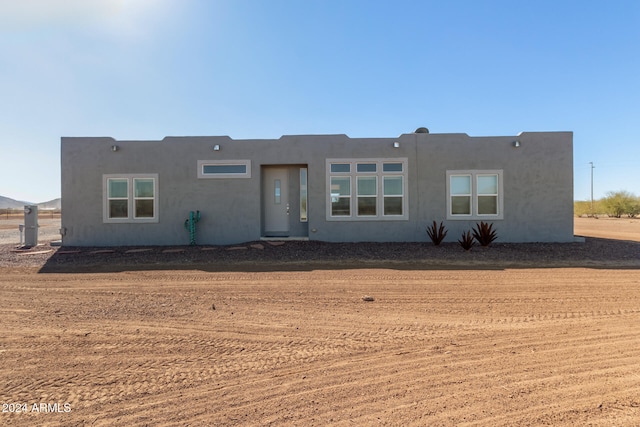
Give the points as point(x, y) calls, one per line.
point(609, 228)
point(479, 346)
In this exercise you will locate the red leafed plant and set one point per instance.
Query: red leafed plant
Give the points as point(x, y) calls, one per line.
point(484, 233)
point(437, 234)
point(466, 241)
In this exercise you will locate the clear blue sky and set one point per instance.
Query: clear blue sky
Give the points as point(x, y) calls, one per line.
point(145, 69)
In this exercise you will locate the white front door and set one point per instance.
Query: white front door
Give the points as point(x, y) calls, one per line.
point(275, 196)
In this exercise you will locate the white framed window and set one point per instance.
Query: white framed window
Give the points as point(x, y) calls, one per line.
point(393, 193)
point(487, 194)
point(475, 195)
point(367, 195)
point(340, 195)
point(130, 198)
point(460, 194)
point(367, 189)
point(217, 169)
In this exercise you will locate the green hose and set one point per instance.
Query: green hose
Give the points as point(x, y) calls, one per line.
point(190, 225)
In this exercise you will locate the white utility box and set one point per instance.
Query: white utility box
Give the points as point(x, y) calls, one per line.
point(31, 225)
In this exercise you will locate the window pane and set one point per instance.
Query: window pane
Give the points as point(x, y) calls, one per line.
point(340, 186)
point(341, 206)
point(340, 167)
point(143, 187)
point(144, 208)
point(461, 184)
point(276, 191)
point(366, 206)
point(366, 167)
point(303, 177)
point(303, 205)
point(488, 184)
point(487, 205)
point(392, 185)
point(367, 186)
point(393, 205)
point(392, 167)
point(303, 194)
point(461, 205)
point(118, 188)
point(224, 169)
point(118, 209)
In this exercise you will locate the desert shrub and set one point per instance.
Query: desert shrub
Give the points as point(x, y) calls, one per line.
point(618, 203)
point(466, 241)
point(484, 233)
point(582, 208)
point(437, 234)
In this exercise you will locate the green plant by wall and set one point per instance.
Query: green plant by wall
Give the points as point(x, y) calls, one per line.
point(190, 226)
point(484, 233)
point(437, 234)
point(466, 241)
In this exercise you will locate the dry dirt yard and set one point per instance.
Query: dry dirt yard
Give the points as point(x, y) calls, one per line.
point(488, 345)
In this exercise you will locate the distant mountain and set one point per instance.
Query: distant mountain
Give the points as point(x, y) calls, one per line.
point(8, 203)
point(51, 204)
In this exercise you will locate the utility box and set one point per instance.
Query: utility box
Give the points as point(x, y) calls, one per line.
point(31, 225)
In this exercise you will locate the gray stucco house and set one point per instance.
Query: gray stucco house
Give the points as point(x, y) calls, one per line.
point(321, 187)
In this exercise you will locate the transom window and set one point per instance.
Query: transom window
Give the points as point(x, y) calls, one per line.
point(366, 167)
point(224, 169)
point(366, 189)
point(474, 194)
point(130, 198)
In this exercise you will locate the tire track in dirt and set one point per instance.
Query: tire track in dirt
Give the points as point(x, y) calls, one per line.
point(435, 348)
point(360, 373)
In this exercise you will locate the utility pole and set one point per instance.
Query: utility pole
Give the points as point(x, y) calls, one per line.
point(592, 167)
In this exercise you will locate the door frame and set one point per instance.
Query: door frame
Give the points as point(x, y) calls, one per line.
point(275, 202)
point(297, 227)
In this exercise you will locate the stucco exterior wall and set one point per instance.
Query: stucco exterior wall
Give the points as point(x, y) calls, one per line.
point(537, 186)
